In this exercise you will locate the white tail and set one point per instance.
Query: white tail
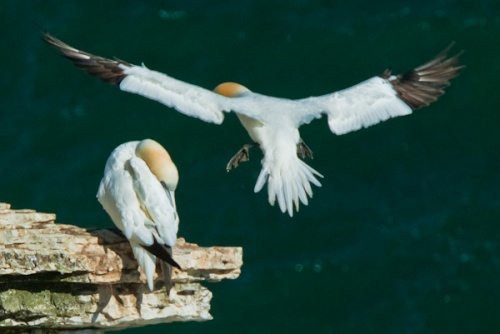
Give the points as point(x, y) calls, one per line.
point(288, 179)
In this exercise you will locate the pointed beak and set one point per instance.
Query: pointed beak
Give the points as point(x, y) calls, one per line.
point(170, 195)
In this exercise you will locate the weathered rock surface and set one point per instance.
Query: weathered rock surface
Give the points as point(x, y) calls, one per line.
point(62, 276)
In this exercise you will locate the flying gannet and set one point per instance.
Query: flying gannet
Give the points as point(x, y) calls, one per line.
point(137, 191)
point(273, 123)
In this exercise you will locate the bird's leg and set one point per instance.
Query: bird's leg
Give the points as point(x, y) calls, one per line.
point(303, 151)
point(241, 156)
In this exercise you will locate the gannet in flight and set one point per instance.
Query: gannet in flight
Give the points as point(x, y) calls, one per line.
point(273, 123)
point(137, 191)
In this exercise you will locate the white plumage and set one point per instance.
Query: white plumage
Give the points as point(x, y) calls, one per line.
point(272, 122)
point(137, 191)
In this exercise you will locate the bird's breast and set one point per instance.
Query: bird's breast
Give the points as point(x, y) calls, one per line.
point(253, 127)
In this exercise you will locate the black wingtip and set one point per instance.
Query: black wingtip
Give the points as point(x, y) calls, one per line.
point(107, 70)
point(425, 84)
point(44, 34)
point(162, 252)
point(38, 26)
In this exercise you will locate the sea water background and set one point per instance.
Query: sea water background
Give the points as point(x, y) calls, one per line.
point(404, 235)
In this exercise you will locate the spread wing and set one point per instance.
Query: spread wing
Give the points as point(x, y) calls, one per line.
point(380, 98)
point(362, 105)
point(189, 99)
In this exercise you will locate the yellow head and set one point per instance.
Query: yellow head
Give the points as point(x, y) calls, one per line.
point(159, 162)
point(230, 89)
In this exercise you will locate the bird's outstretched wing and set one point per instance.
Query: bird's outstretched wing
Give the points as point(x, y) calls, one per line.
point(385, 96)
point(362, 105)
point(189, 99)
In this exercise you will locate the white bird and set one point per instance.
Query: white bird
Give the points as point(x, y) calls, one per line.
point(137, 191)
point(272, 122)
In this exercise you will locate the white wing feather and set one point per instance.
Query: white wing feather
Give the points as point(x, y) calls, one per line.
point(155, 203)
point(117, 196)
point(197, 101)
point(188, 99)
point(362, 105)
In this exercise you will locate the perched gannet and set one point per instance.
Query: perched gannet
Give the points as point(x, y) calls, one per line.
point(272, 122)
point(137, 191)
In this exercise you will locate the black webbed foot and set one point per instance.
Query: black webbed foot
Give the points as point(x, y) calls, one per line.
point(303, 151)
point(241, 156)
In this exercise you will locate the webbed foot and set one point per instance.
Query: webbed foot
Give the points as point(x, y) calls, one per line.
point(303, 151)
point(241, 156)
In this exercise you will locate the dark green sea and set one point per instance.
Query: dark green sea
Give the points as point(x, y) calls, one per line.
point(404, 234)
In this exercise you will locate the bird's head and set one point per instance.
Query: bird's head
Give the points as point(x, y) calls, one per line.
point(159, 162)
point(230, 89)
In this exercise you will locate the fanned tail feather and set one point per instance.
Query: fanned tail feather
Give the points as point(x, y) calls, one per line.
point(288, 182)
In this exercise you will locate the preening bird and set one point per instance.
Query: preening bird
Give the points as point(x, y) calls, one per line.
point(272, 122)
point(137, 191)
